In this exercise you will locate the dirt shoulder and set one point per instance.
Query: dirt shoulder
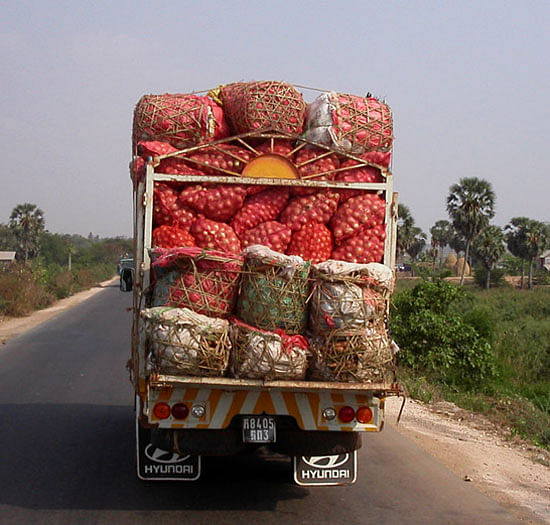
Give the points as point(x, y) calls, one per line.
point(513, 473)
point(13, 326)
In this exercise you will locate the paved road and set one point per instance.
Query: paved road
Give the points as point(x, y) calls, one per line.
point(66, 449)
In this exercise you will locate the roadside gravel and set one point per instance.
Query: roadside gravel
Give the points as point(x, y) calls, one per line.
point(515, 474)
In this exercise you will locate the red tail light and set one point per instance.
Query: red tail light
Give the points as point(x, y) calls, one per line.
point(180, 411)
point(346, 414)
point(161, 410)
point(364, 415)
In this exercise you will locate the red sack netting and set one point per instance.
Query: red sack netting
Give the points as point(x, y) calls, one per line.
point(263, 206)
point(365, 247)
point(252, 106)
point(355, 214)
point(181, 120)
point(166, 236)
point(313, 242)
point(167, 209)
point(214, 235)
point(350, 123)
point(204, 281)
point(217, 160)
point(217, 202)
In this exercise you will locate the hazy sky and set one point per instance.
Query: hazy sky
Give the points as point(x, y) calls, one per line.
point(468, 82)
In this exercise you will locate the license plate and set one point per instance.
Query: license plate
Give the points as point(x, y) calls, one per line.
point(258, 429)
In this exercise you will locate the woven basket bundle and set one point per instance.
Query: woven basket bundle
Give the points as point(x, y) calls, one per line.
point(366, 356)
point(267, 105)
point(259, 354)
point(181, 120)
point(350, 123)
point(183, 342)
point(347, 297)
point(274, 290)
point(204, 281)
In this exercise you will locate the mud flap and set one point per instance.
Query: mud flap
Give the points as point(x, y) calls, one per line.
point(157, 464)
point(340, 469)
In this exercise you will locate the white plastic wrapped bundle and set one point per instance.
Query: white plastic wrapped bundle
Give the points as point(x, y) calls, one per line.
point(184, 342)
point(347, 297)
point(260, 354)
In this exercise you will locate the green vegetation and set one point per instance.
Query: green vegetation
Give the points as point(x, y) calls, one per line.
point(50, 266)
point(487, 351)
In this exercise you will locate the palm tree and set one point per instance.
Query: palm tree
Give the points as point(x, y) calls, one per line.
point(489, 247)
point(537, 239)
point(405, 225)
point(417, 244)
point(470, 204)
point(441, 233)
point(516, 240)
point(27, 222)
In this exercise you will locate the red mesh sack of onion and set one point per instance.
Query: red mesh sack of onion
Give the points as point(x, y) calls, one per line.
point(181, 120)
point(350, 123)
point(252, 106)
point(204, 281)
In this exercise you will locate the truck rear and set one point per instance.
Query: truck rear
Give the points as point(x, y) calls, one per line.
point(264, 249)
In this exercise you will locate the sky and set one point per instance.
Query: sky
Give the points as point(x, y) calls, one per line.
point(468, 83)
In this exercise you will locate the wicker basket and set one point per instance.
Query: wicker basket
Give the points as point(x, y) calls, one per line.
point(204, 281)
point(259, 354)
point(268, 105)
point(274, 291)
point(350, 123)
point(181, 120)
point(366, 356)
point(183, 342)
point(347, 297)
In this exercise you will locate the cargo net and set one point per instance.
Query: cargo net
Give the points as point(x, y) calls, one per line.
point(338, 308)
point(274, 294)
point(366, 356)
point(269, 105)
point(184, 342)
point(180, 120)
point(204, 281)
point(260, 354)
point(364, 123)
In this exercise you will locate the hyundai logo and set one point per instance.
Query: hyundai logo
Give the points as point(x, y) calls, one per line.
point(163, 456)
point(325, 461)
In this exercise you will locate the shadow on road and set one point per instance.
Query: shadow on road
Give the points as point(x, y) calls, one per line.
point(82, 457)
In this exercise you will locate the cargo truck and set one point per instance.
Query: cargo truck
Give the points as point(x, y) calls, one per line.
point(181, 418)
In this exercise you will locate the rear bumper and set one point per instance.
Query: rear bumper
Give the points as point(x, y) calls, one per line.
point(290, 442)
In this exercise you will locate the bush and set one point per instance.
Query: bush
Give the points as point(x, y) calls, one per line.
point(497, 277)
point(438, 341)
point(20, 294)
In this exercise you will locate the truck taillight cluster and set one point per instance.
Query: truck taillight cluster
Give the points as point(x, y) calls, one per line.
point(178, 411)
point(347, 414)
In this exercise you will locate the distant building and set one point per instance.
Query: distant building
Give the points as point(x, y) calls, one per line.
point(544, 260)
point(6, 258)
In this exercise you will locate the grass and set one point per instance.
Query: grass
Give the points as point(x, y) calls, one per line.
point(517, 324)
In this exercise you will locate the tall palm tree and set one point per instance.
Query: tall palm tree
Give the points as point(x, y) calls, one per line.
point(405, 225)
point(27, 222)
point(537, 240)
point(516, 240)
point(470, 204)
point(417, 244)
point(441, 233)
point(489, 247)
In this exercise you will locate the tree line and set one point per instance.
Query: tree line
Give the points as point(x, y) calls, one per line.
point(50, 266)
point(471, 206)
